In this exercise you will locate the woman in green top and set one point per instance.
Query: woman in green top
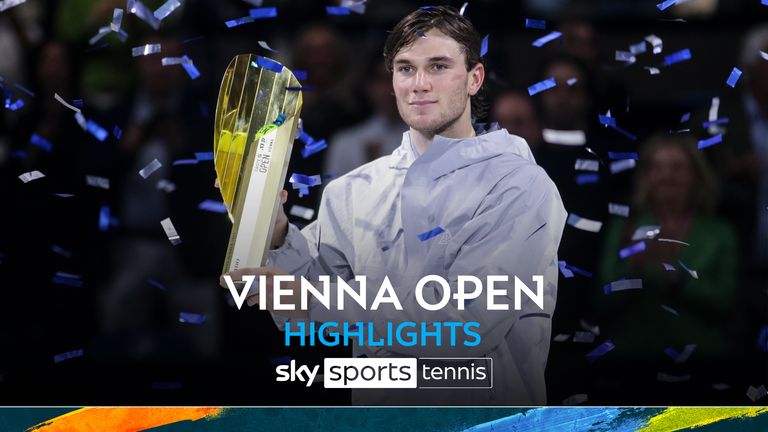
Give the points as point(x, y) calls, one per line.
point(688, 290)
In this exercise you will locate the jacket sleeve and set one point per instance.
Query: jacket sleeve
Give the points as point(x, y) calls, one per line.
point(516, 231)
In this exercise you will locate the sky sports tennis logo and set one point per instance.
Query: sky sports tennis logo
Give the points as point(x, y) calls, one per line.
point(425, 372)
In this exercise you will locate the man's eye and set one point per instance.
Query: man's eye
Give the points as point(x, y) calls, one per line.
point(404, 69)
point(439, 66)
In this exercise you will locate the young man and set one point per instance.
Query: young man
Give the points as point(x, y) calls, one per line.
point(499, 213)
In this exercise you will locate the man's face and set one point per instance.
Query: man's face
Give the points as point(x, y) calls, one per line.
point(432, 85)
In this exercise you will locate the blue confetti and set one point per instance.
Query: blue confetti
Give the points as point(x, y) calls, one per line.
point(677, 57)
point(717, 139)
point(78, 103)
point(425, 7)
point(157, 284)
point(19, 154)
point(567, 273)
point(67, 355)
point(304, 180)
point(265, 12)
point(631, 250)
point(185, 162)
point(578, 270)
point(38, 141)
point(192, 318)
point(541, 86)
point(764, 2)
point(685, 117)
point(546, 39)
point(213, 206)
point(623, 155)
point(431, 233)
point(314, 147)
point(587, 178)
point(61, 251)
point(238, 21)
point(484, 46)
point(14, 106)
point(300, 75)
point(534, 23)
point(268, 64)
point(24, 89)
point(280, 119)
point(303, 191)
point(734, 77)
point(104, 218)
point(190, 68)
point(671, 353)
point(665, 4)
point(607, 120)
point(204, 156)
point(723, 120)
point(762, 338)
point(621, 285)
point(99, 132)
point(67, 279)
point(337, 10)
point(117, 132)
point(600, 351)
point(192, 39)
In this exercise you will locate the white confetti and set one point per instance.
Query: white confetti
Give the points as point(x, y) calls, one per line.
point(63, 102)
point(564, 137)
point(302, 212)
point(96, 181)
point(150, 168)
point(266, 46)
point(618, 209)
point(146, 50)
point(652, 70)
point(646, 232)
point(7, 4)
point(168, 61)
point(584, 224)
point(170, 231)
point(117, 20)
point(165, 185)
point(32, 175)
point(562, 337)
point(587, 165)
point(672, 378)
point(655, 42)
point(622, 285)
point(622, 165)
point(584, 337)
point(163, 11)
point(672, 241)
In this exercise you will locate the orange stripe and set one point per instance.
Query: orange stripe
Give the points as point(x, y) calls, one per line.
point(121, 419)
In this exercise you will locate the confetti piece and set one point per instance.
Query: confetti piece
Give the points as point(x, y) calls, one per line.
point(673, 241)
point(622, 285)
point(96, 181)
point(756, 393)
point(677, 57)
point(150, 168)
point(584, 224)
point(541, 86)
point(145, 50)
point(632, 250)
point(652, 70)
point(587, 165)
point(38, 141)
point(61, 251)
point(138, 8)
point(600, 351)
point(315, 147)
point(564, 137)
point(238, 22)
point(625, 56)
point(672, 378)
point(204, 156)
point(431, 233)
point(103, 31)
point(646, 232)
point(64, 195)
point(764, 54)
point(163, 11)
point(546, 39)
point(691, 272)
point(14, 106)
point(78, 103)
point(589, 327)
point(337, 10)
point(707, 124)
point(165, 185)
point(63, 102)
point(685, 117)
point(185, 162)
point(670, 310)
point(575, 399)
point(104, 218)
point(212, 206)
point(606, 120)
point(582, 179)
point(665, 4)
point(669, 267)
point(734, 77)
point(623, 155)
point(534, 23)
point(683, 356)
point(572, 81)
point(97, 131)
point(622, 165)
point(567, 273)
point(302, 212)
point(356, 6)
point(708, 142)
point(7, 4)
point(117, 132)
point(655, 42)
point(562, 337)
point(24, 89)
point(638, 48)
point(618, 209)
point(156, 284)
point(266, 46)
point(190, 68)
point(584, 337)
point(268, 64)
point(300, 75)
point(32, 175)
point(192, 318)
point(67, 355)
point(170, 231)
point(463, 8)
point(66, 279)
point(117, 20)
point(264, 12)
point(304, 180)
point(484, 46)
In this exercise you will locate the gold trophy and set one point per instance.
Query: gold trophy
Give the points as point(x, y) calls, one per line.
point(257, 116)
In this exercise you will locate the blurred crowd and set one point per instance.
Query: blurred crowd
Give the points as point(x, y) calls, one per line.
point(85, 264)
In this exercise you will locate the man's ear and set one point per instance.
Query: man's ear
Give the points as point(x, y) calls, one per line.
point(476, 78)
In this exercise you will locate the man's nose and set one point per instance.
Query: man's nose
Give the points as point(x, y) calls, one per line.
point(422, 82)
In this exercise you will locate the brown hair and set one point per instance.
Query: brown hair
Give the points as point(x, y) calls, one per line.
point(448, 21)
point(704, 195)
